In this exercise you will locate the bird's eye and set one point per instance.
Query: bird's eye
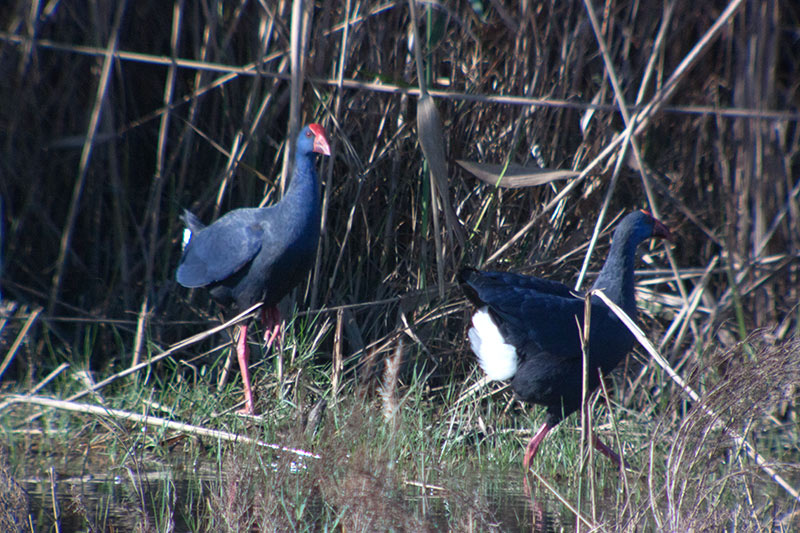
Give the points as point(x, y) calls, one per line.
point(309, 134)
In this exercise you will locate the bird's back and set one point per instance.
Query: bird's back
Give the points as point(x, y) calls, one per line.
point(540, 318)
point(248, 255)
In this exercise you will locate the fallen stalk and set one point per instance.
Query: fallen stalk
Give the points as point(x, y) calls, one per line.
point(154, 421)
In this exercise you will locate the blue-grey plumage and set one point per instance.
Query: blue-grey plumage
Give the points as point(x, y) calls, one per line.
point(252, 255)
point(526, 328)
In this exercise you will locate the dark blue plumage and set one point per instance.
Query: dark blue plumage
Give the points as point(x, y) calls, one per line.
point(526, 328)
point(253, 255)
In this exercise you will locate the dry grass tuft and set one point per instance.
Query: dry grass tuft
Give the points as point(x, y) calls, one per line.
point(14, 502)
point(708, 481)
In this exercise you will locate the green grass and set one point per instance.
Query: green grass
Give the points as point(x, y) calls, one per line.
point(372, 472)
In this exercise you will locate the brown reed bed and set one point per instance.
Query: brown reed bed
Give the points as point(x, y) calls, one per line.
point(118, 116)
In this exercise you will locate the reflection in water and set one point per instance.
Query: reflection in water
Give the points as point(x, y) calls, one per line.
point(14, 504)
point(177, 500)
point(123, 501)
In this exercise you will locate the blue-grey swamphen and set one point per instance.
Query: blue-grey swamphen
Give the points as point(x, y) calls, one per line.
point(253, 255)
point(526, 329)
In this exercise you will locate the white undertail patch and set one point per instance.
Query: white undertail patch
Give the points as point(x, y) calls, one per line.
point(497, 359)
point(187, 236)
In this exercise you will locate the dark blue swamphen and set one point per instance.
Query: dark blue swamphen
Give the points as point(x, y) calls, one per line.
point(526, 329)
point(252, 255)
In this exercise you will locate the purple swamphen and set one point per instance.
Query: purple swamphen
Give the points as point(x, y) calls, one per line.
point(252, 255)
point(526, 329)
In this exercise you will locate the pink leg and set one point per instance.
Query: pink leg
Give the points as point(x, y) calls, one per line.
point(533, 445)
point(608, 452)
point(605, 450)
point(242, 352)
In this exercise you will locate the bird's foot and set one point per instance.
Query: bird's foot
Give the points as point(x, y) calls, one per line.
point(271, 335)
point(247, 410)
point(271, 319)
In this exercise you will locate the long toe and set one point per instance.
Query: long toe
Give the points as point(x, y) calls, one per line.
point(248, 409)
point(271, 335)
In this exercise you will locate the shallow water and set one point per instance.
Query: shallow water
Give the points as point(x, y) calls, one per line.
point(176, 500)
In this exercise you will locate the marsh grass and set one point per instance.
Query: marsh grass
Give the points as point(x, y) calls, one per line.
point(116, 119)
point(372, 475)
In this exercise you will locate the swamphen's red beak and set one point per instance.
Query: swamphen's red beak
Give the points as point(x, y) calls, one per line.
point(321, 145)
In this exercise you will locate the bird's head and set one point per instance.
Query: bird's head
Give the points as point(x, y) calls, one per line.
point(659, 229)
point(312, 138)
point(644, 225)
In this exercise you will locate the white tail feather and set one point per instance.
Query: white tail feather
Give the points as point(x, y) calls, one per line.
point(187, 236)
point(497, 359)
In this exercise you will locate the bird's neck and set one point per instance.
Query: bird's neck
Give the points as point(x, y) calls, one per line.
point(303, 191)
point(616, 276)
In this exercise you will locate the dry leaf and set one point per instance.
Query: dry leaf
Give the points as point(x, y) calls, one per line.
point(516, 176)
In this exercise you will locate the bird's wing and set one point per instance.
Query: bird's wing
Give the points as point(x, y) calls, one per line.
point(193, 225)
point(533, 314)
point(478, 284)
point(219, 251)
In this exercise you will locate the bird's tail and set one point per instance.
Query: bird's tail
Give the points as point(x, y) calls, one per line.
point(193, 225)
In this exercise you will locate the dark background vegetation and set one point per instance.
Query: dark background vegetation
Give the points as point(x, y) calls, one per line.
point(724, 181)
point(99, 157)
